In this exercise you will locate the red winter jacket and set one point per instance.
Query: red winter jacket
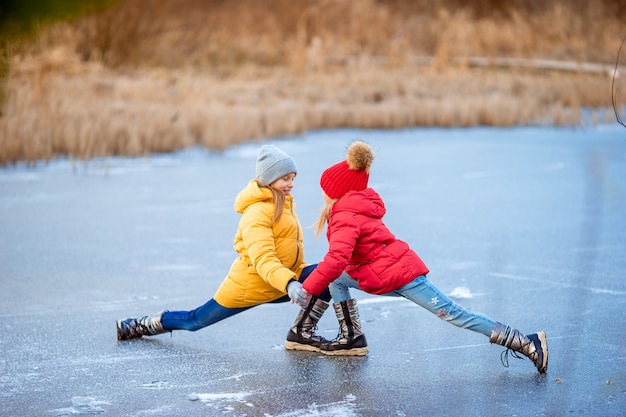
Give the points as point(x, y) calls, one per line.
point(360, 243)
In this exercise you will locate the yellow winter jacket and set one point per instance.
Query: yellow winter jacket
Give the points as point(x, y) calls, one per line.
point(269, 256)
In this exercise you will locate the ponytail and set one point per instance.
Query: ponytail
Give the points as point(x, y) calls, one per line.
point(324, 216)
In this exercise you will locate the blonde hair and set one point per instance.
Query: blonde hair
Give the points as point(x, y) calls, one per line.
point(278, 199)
point(324, 216)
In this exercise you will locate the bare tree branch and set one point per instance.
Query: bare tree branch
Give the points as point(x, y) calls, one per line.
point(613, 89)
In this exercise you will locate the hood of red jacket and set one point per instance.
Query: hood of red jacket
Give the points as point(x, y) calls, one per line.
point(366, 202)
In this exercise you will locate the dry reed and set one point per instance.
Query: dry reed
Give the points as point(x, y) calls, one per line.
point(160, 77)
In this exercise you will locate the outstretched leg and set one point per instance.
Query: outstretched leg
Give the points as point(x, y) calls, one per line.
point(207, 314)
point(424, 293)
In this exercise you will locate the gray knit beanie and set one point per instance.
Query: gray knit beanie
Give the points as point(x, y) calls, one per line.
point(272, 164)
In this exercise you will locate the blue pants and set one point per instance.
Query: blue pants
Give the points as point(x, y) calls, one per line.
point(211, 312)
point(423, 293)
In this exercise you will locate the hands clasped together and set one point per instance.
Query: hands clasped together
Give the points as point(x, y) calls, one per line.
point(298, 294)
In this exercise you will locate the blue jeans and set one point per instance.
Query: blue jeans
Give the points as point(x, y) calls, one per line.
point(211, 312)
point(423, 293)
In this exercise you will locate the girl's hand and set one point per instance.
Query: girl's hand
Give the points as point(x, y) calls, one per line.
point(298, 294)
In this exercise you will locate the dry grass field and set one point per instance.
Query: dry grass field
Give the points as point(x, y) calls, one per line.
point(160, 75)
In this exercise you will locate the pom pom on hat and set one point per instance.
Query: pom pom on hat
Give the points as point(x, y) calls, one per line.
point(352, 174)
point(272, 163)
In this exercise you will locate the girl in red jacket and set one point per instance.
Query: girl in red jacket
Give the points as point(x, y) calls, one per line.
point(376, 262)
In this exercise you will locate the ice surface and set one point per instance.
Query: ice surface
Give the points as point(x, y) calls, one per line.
point(525, 225)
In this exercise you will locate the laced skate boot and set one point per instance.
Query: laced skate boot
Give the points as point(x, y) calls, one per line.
point(534, 346)
point(351, 340)
point(132, 328)
point(302, 335)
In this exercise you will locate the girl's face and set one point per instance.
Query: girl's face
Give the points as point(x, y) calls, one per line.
point(284, 184)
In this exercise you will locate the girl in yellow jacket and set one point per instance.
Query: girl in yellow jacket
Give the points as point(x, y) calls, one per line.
point(270, 267)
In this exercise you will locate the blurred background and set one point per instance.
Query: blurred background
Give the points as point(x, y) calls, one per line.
point(94, 78)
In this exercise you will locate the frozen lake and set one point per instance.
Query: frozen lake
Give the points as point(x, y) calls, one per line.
point(526, 225)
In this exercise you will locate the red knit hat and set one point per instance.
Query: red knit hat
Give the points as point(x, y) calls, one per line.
point(351, 174)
